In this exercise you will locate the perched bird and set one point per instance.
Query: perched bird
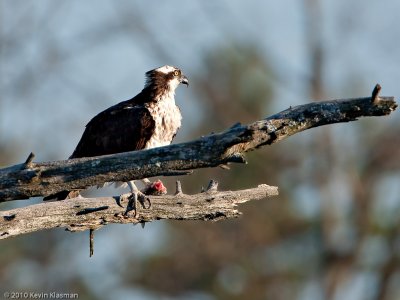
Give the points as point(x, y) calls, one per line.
point(148, 120)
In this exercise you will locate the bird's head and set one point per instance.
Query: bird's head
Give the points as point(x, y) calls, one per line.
point(167, 78)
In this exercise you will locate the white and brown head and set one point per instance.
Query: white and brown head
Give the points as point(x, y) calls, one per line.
point(165, 79)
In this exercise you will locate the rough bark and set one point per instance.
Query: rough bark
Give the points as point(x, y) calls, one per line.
point(91, 213)
point(41, 179)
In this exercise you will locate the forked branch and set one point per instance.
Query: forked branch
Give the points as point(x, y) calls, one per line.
point(92, 213)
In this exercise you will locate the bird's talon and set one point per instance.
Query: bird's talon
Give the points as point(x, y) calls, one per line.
point(143, 199)
point(132, 198)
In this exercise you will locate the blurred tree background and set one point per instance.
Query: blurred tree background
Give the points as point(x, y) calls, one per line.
point(333, 233)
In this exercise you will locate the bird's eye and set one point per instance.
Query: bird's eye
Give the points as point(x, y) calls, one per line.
point(176, 72)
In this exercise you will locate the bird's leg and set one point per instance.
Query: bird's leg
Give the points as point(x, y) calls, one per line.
point(133, 187)
point(135, 196)
point(151, 188)
point(146, 181)
point(139, 195)
point(131, 204)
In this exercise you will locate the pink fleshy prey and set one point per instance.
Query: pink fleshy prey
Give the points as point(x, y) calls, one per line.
point(159, 187)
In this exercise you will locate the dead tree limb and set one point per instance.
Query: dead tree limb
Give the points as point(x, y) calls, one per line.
point(42, 179)
point(92, 213)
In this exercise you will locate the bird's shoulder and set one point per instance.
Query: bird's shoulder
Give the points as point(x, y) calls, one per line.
point(132, 108)
point(125, 126)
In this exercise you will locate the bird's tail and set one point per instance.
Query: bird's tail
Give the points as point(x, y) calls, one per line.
point(62, 195)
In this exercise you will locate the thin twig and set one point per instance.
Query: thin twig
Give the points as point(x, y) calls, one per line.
point(28, 163)
point(178, 186)
point(91, 242)
point(375, 93)
point(212, 186)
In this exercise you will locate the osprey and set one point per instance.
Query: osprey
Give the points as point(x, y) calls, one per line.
point(148, 120)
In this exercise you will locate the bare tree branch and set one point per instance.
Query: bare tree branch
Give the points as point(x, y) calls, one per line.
point(41, 179)
point(92, 213)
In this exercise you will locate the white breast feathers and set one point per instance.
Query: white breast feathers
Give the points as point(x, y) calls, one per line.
point(167, 117)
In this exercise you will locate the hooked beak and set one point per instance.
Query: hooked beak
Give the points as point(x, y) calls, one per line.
point(184, 80)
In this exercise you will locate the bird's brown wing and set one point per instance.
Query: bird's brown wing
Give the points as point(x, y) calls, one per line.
point(121, 128)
